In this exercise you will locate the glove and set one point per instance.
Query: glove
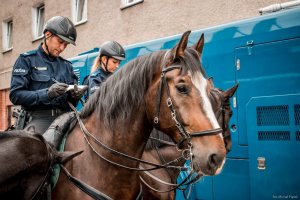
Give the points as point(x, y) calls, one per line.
point(77, 93)
point(57, 89)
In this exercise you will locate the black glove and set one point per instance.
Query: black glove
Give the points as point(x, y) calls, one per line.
point(77, 93)
point(57, 89)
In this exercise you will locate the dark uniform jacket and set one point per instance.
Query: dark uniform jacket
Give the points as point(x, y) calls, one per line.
point(95, 80)
point(33, 73)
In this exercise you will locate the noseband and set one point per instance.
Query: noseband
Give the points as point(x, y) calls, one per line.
point(185, 136)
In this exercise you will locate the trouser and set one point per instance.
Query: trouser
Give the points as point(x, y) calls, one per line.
point(40, 120)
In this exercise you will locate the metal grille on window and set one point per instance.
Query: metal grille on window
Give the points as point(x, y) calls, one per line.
point(273, 115)
point(274, 135)
point(297, 114)
point(297, 135)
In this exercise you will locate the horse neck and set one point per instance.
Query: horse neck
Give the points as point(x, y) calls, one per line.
point(128, 137)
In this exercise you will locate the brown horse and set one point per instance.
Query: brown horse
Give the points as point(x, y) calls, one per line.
point(166, 89)
point(161, 153)
point(26, 162)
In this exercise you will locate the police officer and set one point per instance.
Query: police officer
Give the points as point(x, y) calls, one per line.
point(40, 78)
point(110, 55)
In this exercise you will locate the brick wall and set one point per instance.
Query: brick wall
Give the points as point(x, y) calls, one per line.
point(4, 104)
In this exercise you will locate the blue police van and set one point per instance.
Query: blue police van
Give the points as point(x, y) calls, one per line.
point(262, 54)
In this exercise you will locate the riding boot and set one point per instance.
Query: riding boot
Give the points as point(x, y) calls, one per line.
point(59, 128)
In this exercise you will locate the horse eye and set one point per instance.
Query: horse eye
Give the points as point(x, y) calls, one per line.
point(182, 89)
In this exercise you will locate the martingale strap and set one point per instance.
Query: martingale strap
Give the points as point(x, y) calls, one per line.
point(89, 190)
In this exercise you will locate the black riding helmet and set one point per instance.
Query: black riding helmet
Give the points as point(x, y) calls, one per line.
point(112, 49)
point(63, 28)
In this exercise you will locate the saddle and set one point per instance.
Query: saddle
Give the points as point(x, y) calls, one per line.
point(59, 129)
point(56, 135)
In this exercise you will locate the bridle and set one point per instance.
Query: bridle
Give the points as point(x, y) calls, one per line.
point(220, 113)
point(185, 136)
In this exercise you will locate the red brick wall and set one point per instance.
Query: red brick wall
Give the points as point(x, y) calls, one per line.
point(4, 104)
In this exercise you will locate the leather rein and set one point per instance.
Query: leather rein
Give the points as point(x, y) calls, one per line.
point(186, 153)
point(185, 182)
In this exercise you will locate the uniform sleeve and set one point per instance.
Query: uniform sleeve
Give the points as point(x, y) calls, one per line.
point(19, 87)
point(94, 84)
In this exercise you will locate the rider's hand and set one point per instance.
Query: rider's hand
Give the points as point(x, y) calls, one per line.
point(57, 89)
point(77, 93)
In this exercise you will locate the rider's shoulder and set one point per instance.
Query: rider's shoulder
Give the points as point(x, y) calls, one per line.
point(65, 60)
point(95, 73)
point(29, 53)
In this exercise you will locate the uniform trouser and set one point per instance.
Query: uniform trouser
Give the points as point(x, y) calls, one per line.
point(39, 121)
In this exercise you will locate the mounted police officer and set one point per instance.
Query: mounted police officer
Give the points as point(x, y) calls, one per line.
point(110, 55)
point(40, 78)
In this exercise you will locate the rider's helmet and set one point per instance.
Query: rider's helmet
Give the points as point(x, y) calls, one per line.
point(112, 49)
point(63, 28)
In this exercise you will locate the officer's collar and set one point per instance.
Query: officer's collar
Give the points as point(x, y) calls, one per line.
point(44, 54)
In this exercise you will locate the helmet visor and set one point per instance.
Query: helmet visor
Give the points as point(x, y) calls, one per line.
point(118, 57)
point(66, 39)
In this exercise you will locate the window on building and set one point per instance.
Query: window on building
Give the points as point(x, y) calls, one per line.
point(38, 21)
point(7, 27)
point(129, 3)
point(79, 11)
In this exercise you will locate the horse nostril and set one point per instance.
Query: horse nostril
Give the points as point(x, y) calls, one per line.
point(214, 161)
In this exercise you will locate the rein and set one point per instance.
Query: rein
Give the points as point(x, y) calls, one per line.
point(221, 113)
point(186, 153)
point(87, 133)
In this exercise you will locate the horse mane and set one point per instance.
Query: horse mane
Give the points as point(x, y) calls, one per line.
point(123, 93)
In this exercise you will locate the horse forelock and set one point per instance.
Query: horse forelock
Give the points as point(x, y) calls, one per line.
point(123, 93)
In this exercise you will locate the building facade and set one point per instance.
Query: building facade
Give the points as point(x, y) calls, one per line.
point(126, 21)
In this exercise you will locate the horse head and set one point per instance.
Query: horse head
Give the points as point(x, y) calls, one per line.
point(183, 110)
point(221, 105)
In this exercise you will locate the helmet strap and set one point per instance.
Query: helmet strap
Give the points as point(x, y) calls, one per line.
point(106, 64)
point(51, 57)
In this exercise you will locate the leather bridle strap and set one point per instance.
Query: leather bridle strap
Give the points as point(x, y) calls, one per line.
point(176, 186)
point(208, 132)
point(87, 133)
point(184, 134)
point(159, 91)
point(89, 190)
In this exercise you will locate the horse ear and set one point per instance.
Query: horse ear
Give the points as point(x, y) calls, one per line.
point(66, 156)
point(199, 45)
point(211, 81)
point(230, 92)
point(178, 50)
